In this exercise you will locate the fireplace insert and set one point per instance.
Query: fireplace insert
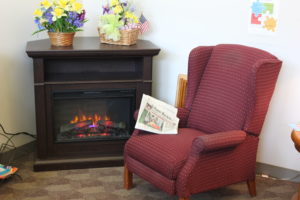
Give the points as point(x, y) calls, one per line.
point(86, 115)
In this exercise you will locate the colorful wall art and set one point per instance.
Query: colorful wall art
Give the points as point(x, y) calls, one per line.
point(264, 16)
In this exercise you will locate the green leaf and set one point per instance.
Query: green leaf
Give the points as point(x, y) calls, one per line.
point(38, 31)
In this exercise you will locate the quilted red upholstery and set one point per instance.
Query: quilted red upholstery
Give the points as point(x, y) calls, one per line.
point(168, 152)
point(198, 60)
point(215, 169)
point(152, 176)
point(183, 115)
point(217, 141)
point(217, 108)
point(228, 94)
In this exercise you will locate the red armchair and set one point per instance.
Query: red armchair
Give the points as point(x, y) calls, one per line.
point(228, 94)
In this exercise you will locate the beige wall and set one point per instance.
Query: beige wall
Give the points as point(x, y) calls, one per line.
point(177, 27)
point(16, 78)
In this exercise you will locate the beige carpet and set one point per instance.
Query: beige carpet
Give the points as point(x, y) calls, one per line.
point(106, 183)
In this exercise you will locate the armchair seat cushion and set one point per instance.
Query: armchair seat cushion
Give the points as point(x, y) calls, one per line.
point(165, 154)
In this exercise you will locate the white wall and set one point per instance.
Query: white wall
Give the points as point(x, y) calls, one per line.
point(177, 27)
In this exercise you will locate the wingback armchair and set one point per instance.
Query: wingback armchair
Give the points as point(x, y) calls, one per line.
point(228, 93)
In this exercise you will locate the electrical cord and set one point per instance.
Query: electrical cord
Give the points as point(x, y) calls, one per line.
point(9, 145)
point(18, 133)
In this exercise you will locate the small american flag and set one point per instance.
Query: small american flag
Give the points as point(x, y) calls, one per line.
point(144, 24)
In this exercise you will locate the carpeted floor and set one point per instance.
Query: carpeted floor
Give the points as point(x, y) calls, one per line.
point(106, 183)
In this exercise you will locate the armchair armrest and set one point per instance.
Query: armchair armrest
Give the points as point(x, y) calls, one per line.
point(216, 141)
point(183, 115)
point(136, 132)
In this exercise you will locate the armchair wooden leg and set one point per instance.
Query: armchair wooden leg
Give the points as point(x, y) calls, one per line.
point(184, 198)
point(127, 178)
point(296, 196)
point(299, 192)
point(251, 187)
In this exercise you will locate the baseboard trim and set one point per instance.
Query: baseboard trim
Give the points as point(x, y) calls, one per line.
point(77, 163)
point(261, 168)
point(277, 172)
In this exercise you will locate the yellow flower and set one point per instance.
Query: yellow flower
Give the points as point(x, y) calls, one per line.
point(128, 14)
point(63, 3)
point(132, 16)
point(57, 13)
point(77, 7)
point(118, 9)
point(72, 1)
point(114, 2)
point(135, 19)
point(46, 4)
point(38, 13)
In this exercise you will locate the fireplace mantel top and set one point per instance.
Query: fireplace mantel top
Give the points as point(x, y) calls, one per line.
point(90, 46)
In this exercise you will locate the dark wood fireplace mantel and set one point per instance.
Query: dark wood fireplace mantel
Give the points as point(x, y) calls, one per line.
point(87, 65)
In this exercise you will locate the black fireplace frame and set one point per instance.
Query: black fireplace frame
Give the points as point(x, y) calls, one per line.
point(96, 96)
point(87, 65)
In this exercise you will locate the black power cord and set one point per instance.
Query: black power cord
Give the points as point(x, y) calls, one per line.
point(14, 134)
point(9, 136)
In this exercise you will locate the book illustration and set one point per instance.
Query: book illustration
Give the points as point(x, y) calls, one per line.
point(150, 119)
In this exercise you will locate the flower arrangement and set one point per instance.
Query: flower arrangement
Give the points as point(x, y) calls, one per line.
point(60, 16)
point(117, 15)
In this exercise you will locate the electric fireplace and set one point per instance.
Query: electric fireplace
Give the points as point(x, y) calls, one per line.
point(85, 97)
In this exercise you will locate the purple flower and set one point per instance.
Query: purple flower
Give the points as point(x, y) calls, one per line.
point(82, 15)
point(105, 9)
point(48, 15)
point(37, 21)
point(78, 23)
point(76, 19)
point(72, 15)
point(132, 8)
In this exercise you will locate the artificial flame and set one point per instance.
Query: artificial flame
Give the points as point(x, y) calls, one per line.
point(94, 118)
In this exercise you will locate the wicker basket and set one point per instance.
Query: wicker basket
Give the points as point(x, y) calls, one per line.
point(61, 39)
point(128, 37)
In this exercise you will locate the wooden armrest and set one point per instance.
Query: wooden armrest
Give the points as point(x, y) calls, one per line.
point(181, 90)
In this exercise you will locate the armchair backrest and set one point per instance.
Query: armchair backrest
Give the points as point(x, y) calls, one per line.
point(230, 87)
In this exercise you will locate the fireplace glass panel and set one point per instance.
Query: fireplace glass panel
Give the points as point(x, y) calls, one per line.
point(93, 115)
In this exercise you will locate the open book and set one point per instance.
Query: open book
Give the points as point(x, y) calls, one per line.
point(157, 116)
